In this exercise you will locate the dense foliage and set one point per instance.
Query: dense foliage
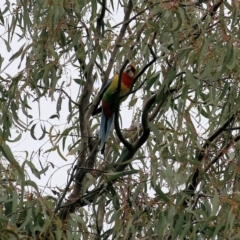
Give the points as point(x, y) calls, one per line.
point(174, 171)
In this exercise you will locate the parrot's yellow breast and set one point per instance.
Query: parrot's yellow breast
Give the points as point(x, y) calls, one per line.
point(114, 85)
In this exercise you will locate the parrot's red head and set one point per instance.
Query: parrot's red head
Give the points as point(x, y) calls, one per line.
point(131, 70)
point(128, 75)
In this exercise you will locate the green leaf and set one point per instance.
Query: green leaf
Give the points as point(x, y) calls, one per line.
point(7, 45)
point(58, 234)
point(233, 58)
point(53, 82)
point(25, 107)
point(28, 215)
point(16, 139)
point(65, 133)
point(33, 169)
point(3, 218)
point(70, 106)
point(1, 17)
point(94, 9)
point(113, 176)
point(183, 52)
point(171, 75)
point(43, 132)
point(215, 204)
point(77, 218)
point(203, 112)
point(54, 116)
point(18, 53)
point(1, 61)
point(43, 170)
point(32, 131)
point(129, 226)
point(51, 149)
point(178, 225)
point(224, 91)
point(133, 102)
point(185, 231)
point(32, 184)
point(157, 133)
point(191, 80)
point(114, 194)
point(160, 193)
point(59, 104)
point(60, 154)
point(7, 153)
point(62, 38)
point(4, 231)
point(151, 81)
point(177, 22)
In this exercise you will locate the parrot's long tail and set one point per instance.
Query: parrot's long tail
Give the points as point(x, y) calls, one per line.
point(105, 127)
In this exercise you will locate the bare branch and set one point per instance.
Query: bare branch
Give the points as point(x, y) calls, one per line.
point(60, 89)
point(135, 16)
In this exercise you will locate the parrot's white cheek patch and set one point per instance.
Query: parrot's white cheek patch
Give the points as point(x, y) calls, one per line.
point(131, 74)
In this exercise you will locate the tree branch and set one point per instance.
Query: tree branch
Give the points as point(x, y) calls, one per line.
point(145, 127)
point(135, 16)
point(222, 152)
point(100, 21)
point(60, 89)
point(82, 168)
point(203, 152)
point(213, 9)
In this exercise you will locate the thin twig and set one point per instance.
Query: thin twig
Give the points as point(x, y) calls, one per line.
point(222, 152)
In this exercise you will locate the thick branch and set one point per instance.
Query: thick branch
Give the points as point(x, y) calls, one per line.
point(145, 127)
point(128, 154)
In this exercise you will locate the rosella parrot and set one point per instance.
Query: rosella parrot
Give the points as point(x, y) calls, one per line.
point(110, 98)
